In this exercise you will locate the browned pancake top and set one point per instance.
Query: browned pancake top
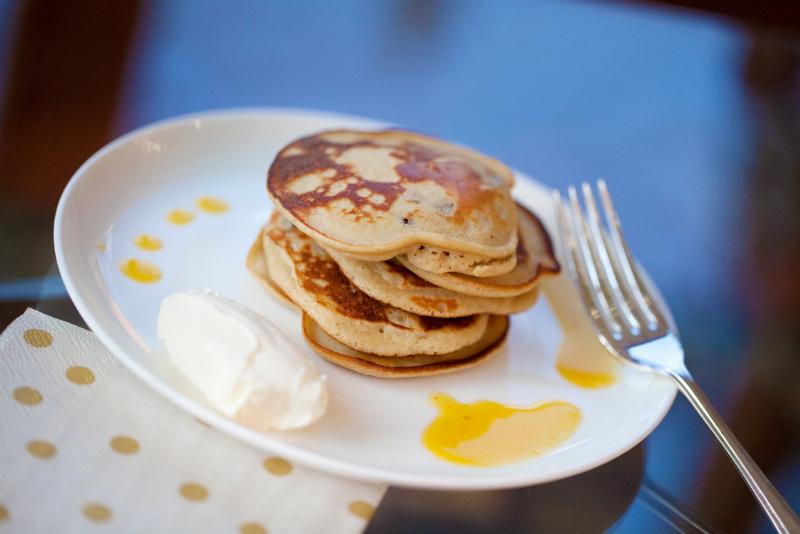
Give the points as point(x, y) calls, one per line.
point(475, 189)
point(465, 180)
point(313, 154)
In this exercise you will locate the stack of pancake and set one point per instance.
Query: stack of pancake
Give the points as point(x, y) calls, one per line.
point(405, 254)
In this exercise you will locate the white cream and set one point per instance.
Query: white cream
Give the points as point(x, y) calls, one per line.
point(243, 364)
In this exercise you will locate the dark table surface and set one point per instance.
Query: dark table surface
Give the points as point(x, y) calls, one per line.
point(693, 118)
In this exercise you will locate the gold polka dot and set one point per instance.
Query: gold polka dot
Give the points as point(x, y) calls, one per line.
point(361, 509)
point(124, 445)
point(38, 338)
point(41, 449)
point(277, 466)
point(27, 396)
point(96, 512)
point(194, 492)
point(252, 528)
point(80, 375)
point(4, 514)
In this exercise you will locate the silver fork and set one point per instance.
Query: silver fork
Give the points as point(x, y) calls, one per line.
point(631, 322)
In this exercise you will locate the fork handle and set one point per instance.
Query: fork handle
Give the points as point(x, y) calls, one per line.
point(779, 512)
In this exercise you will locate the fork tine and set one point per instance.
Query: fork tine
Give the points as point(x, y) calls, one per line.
point(585, 268)
point(606, 271)
point(622, 258)
point(570, 248)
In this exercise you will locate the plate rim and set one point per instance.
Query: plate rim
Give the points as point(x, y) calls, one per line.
point(263, 441)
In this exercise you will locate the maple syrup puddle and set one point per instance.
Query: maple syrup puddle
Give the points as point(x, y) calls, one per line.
point(140, 271)
point(585, 379)
point(180, 217)
point(148, 242)
point(212, 205)
point(486, 433)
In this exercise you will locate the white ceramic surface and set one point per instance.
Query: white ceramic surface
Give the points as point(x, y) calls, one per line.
point(373, 427)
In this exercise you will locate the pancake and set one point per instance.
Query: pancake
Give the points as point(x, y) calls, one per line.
point(535, 258)
point(436, 260)
point(406, 366)
point(313, 280)
point(256, 263)
point(375, 195)
point(392, 283)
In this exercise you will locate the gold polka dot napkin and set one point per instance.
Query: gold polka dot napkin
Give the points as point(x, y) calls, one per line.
point(85, 446)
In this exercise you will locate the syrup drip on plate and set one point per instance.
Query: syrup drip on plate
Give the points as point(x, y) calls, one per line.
point(585, 379)
point(486, 433)
point(581, 359)
point(148, 242)
point(212, 205)
point(180, 217)
point(140, 271)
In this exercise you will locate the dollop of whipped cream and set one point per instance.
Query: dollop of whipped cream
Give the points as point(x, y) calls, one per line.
point(246, 367)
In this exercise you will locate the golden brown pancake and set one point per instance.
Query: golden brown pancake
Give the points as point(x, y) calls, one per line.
point(393, 284)
point(535, 258)
point(256, 263)
point(313, 280)
point(406, 366)
point(375, 195)
point(437, 260)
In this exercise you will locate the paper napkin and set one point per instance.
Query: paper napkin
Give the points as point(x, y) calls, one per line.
point(85, 446)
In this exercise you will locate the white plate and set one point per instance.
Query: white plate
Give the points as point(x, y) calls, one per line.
point(373, 427)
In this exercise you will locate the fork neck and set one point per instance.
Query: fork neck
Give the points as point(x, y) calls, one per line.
point(664, 354)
